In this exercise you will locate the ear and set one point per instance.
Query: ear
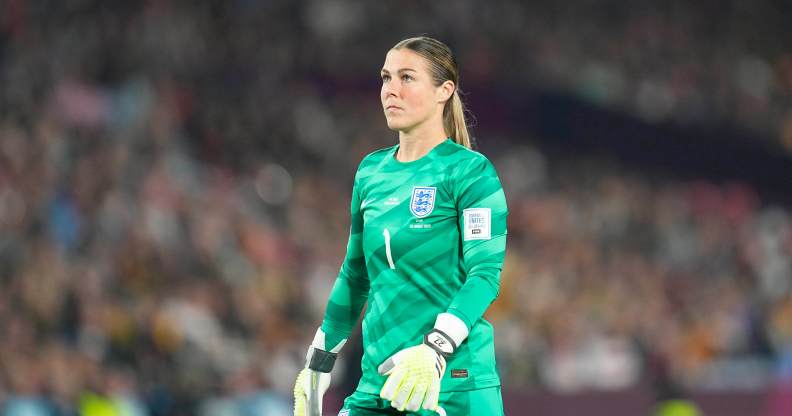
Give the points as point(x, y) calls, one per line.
point(445, 91)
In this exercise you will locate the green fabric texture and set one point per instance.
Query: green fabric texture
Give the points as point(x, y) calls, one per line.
point(411, 257)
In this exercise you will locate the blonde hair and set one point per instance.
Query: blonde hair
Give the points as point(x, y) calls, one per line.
point(443, 67)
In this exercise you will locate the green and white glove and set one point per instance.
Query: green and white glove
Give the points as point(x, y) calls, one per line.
point(415, 373)
point(314, 380)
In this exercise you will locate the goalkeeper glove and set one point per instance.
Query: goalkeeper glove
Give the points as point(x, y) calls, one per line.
point(414, 374)
point(314, 380)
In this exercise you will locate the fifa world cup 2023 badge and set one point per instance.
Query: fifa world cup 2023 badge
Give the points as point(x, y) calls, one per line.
point(422, 201)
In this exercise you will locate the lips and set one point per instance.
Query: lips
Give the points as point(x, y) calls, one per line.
point(393, 107)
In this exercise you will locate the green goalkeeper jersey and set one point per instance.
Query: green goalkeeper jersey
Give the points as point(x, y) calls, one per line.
point(427, 237)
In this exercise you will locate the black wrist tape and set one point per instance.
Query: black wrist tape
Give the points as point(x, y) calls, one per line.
point(322, 361)
point(444, 344)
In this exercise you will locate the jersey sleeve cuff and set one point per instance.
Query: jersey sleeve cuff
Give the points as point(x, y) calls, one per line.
point(331, 339)
point(320, 342)
point(452, 326)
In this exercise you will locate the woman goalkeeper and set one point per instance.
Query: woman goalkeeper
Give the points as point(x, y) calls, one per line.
point(426, 247)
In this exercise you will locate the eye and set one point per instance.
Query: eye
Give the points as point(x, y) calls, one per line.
point(406, 77)
point(385, 77)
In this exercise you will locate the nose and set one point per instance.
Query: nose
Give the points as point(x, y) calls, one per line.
point(390, 89)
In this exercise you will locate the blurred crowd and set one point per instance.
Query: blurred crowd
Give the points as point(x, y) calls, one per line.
point(175, 178)
point(664, 61)
point(612, 276)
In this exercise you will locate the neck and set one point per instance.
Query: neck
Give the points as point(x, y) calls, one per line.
point(416, 143)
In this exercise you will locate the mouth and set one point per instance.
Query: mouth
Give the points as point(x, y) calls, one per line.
point(393, 107)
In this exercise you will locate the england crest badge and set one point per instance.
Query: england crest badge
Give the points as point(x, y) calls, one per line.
point(423, 199)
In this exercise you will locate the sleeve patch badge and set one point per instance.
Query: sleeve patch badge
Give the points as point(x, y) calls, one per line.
point(477, 223)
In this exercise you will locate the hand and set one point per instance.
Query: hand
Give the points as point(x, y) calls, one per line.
point(314, 380)
point(309, 390)
point(414, 373)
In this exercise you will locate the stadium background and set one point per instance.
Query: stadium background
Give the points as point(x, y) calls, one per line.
point(175, 177)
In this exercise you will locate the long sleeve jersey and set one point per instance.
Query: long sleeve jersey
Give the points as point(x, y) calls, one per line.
point(426, 237)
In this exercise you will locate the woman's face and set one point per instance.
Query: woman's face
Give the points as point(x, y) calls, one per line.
point(409, 97)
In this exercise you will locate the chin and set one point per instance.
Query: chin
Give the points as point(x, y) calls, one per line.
point(397, 125)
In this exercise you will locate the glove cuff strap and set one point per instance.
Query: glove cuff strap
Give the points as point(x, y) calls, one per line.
point(440, 342)
point(322, 361)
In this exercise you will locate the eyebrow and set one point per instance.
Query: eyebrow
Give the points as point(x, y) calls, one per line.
point(385, 71)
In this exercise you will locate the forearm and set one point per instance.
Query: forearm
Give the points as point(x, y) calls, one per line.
point(346, 301)
point(475, 296)
point(484, 262)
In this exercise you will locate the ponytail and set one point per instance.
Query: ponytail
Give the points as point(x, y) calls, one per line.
point(443, 67)
point(454, 121)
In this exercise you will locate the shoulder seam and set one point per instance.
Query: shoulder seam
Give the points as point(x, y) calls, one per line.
point(473, 153)
point(374, 153)
point(384, 149)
